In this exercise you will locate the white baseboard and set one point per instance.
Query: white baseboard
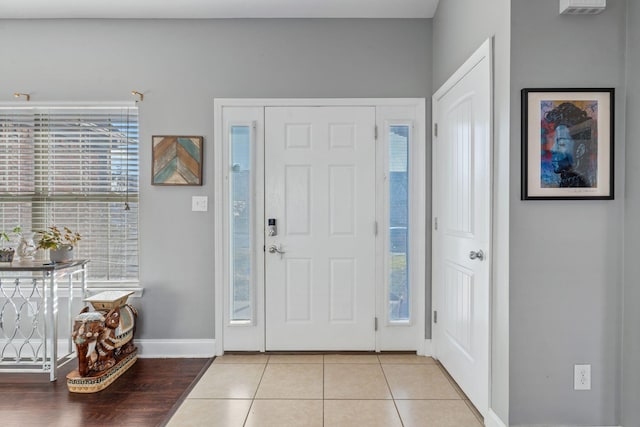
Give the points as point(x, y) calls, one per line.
point(153, 348)
point(552, 425)
point(492, 420)
point(426, 349)
point(148, 348)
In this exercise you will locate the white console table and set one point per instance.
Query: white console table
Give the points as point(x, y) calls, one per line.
point(29, 314)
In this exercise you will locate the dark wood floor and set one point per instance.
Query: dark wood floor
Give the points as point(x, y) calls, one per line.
point(145, 395)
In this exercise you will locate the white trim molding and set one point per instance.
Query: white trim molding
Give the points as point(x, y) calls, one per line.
point(150, 348)
point(405, 110)
point(426, 349)
point(493, 420)
point(314, 102)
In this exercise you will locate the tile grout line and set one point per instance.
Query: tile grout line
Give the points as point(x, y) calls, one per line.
point(246, 418)
point(323, 371)
point(380, 364)
point(393, 398)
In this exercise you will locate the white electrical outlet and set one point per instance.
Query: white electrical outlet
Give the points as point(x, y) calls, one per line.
point(582, 377)
point(199, 203)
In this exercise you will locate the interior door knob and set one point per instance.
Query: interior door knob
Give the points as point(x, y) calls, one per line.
point(476, 255)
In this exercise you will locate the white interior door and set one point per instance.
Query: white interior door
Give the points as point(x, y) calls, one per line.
point(320, 190)
point(462, 207)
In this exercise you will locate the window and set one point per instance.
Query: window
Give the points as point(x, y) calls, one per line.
point(241, 241)
point(398, 254)
point(75, 167)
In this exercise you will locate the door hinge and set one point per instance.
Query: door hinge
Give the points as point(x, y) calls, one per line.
point(435, 316)
point(375, 132)
point(375, 228)
point(435, 129)
point(264, 248)
point(435, 223)
point(375, 323)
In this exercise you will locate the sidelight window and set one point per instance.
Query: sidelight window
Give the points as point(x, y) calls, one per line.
point(240, 235)
point(398, 232)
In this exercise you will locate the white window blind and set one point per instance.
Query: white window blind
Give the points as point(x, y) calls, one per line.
point(76, 167)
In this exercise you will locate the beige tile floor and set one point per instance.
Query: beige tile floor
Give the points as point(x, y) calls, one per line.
point(349, 390)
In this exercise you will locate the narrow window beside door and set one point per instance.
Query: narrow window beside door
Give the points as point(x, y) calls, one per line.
point(241, 241)
point(398, 253)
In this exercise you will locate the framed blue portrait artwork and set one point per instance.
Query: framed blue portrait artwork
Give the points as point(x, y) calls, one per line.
point(567, 144)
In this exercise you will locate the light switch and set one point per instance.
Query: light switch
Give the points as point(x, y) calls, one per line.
point(199, 203)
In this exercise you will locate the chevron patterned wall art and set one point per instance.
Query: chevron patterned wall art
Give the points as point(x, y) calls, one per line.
point(177, 160)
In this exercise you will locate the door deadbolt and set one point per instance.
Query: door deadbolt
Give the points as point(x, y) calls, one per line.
point(272, 230)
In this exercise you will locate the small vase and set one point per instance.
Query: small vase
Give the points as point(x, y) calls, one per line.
point(6, 255)
point(26, 247)
point(62, 254)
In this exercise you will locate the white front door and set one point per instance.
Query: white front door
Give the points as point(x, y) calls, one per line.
point(320, 190)
point(462, 227)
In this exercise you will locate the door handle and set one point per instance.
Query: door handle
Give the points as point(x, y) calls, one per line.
point(476, 255)
point(276, 249)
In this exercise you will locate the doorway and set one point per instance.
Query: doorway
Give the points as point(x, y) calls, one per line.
point(311, 253)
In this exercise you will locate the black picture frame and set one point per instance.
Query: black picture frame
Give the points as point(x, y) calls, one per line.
point(568, 144)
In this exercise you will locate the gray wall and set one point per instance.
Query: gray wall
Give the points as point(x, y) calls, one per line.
point(459, 28)
point(631, 295)
point(566, 256)
point(181, 66)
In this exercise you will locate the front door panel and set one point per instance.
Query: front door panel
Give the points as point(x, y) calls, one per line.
point(320, 190)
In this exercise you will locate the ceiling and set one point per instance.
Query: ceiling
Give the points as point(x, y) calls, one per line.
point(35, 9)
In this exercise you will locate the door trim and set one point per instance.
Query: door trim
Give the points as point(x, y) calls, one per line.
point(484, 52)
point(418, 104)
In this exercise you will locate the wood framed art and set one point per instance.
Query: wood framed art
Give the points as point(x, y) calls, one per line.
point(567, 144)
point(177, 160)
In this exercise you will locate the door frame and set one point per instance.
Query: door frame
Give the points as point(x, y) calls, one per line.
point(386, 110)
point(484, 52)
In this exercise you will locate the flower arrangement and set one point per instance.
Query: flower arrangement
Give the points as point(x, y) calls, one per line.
point(54, 238)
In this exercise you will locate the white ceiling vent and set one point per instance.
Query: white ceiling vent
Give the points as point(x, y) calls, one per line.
point(582, 7)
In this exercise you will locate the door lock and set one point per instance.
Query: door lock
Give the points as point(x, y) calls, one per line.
point(272, 230)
